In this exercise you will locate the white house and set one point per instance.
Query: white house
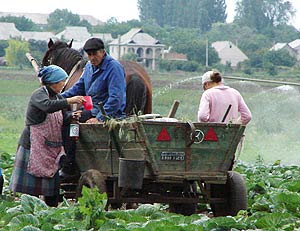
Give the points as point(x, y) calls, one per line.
point(287, 47)
point(42, 19)
point(147, 48)
point(229, 53)
point(80, 35)
point(106, 37)
point(77, 33)
point(296, 46)
point(37, 35)
point(8, 31)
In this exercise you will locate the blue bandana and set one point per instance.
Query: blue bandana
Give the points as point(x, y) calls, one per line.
point(52, 74)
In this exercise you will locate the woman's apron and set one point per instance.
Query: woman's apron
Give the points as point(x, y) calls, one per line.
point(46, 146)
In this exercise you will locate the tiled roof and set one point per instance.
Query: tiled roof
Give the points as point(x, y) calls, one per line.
point(295, 44)
point(8, 31)
point(43, 36)
point(278, 46)
point(77, 33)
point(175, 56)
point(106, 37)
point(137, 36)
point(38, 18)
point(228, 52)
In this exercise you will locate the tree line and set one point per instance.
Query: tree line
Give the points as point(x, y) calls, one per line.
point(183, 13)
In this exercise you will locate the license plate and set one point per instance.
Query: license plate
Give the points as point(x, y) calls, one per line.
point(172, 156)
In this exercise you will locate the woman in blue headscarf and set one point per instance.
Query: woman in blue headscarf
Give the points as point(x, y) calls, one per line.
point(40, 145)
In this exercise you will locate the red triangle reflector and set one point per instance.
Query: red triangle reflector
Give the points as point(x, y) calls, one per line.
point(163, 135)
point(211, 135)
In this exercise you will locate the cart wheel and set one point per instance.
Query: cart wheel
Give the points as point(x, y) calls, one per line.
point(234, 192)
point(91, 178)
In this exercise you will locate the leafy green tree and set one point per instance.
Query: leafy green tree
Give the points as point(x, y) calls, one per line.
point(285, 33)
point(182, 13)
point(280, 58)
point(115, 28)
point(152, 9)
point(263, 14)
point(85, 23)
point(184, 40)
point(196, 51)
point(174, 36)
point(129, 57)
point(271, 69)
point(172, 65)
point(212, 11)
point(190, 66)
point(21, 23)
point(15, 53)
point(246, 38)
point(3, 45)
point(37, 48)
point(59, 19)
point(256, 58)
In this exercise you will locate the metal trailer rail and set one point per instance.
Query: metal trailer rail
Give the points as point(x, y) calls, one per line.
point(261, 80)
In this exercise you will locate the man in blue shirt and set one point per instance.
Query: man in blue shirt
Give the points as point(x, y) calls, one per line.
point(104, 80)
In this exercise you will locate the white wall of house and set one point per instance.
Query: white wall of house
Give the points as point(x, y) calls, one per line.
point(229, 53)
point(147, 48)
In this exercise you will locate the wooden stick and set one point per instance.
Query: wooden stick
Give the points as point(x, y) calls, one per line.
point(226, 113)
point(33, 61)
point(173, 110)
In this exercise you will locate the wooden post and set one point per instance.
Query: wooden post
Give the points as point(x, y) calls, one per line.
point(33, 61)
point(173, 109)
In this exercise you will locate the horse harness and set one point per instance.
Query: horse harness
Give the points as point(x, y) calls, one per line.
point(73, 71)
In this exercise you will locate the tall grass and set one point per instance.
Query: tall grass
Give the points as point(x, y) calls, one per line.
point(16, 87)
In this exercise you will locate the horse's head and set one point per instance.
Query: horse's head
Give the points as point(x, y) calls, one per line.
point(54, 51)
point(61, 54)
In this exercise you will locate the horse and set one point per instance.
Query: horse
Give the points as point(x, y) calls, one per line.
point(138, 82)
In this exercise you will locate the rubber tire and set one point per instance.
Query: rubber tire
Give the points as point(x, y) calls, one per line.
point(235, 194)
point(91, 178)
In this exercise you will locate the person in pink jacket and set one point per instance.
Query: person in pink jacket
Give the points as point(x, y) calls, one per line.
point(221, 104)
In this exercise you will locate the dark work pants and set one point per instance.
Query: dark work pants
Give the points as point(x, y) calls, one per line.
point(69, 165)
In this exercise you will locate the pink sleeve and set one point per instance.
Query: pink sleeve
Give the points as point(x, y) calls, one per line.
point(203, 111)
point(244, 111)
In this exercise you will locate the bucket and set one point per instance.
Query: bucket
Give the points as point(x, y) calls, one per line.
point(131, 173)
